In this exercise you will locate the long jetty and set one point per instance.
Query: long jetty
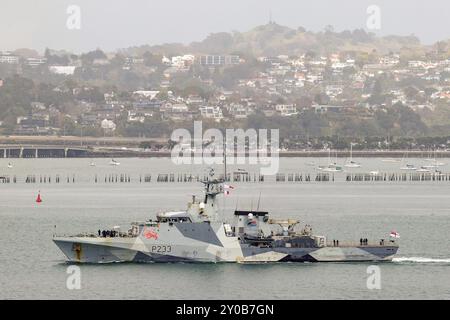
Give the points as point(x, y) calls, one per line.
point(80, 150)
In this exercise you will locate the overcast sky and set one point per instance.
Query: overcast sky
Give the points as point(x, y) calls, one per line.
point(112, 24)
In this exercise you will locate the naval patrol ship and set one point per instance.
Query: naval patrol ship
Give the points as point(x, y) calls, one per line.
point(198, 234)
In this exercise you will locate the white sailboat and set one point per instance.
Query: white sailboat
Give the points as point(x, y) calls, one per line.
point(332, 166)
point(350, 163)
point(434, 160)
point(114, 163)
point(408, 166)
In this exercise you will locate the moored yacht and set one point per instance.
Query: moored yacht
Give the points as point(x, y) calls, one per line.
point(408, 167)
point(114, 163)
point(350, 163)
point(332, 167)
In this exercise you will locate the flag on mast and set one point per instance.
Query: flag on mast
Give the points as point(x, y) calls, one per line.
point(394, 234)
point(227, 188)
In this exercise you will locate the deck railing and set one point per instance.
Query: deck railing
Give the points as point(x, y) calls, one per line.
point(385, 243)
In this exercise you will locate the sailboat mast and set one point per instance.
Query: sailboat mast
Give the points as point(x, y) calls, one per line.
point(351, 151)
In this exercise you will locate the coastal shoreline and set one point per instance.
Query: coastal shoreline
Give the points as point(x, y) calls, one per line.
point(121, 147)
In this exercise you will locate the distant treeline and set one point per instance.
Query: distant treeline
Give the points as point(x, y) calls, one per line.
point(428, 144)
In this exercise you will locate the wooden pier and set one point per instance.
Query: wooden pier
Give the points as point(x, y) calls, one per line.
point(110, 178)
point(389, 177)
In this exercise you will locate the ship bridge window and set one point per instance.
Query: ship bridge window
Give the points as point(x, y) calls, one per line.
point(176, 219)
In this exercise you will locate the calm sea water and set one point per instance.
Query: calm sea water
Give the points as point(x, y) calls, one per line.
point(33, 267)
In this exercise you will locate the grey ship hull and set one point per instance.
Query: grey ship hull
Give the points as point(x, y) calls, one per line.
point(207, 242)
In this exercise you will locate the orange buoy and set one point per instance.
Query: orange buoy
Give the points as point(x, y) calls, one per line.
point(39, 199)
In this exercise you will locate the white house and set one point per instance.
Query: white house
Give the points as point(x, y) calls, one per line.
point(150, 94)
point(9, 58)
point(210, 112)
point(108, 125)
point(65, 70)
point(286, 110)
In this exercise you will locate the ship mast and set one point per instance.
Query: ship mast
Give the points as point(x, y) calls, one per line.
point(213, 187)
point(224, 171)
point(224, 159)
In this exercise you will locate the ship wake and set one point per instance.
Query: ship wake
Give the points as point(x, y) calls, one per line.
point(420, 260)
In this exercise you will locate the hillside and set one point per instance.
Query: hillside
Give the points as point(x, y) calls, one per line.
point(274, 39)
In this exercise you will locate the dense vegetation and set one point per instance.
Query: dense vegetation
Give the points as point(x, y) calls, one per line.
point(377, 122)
